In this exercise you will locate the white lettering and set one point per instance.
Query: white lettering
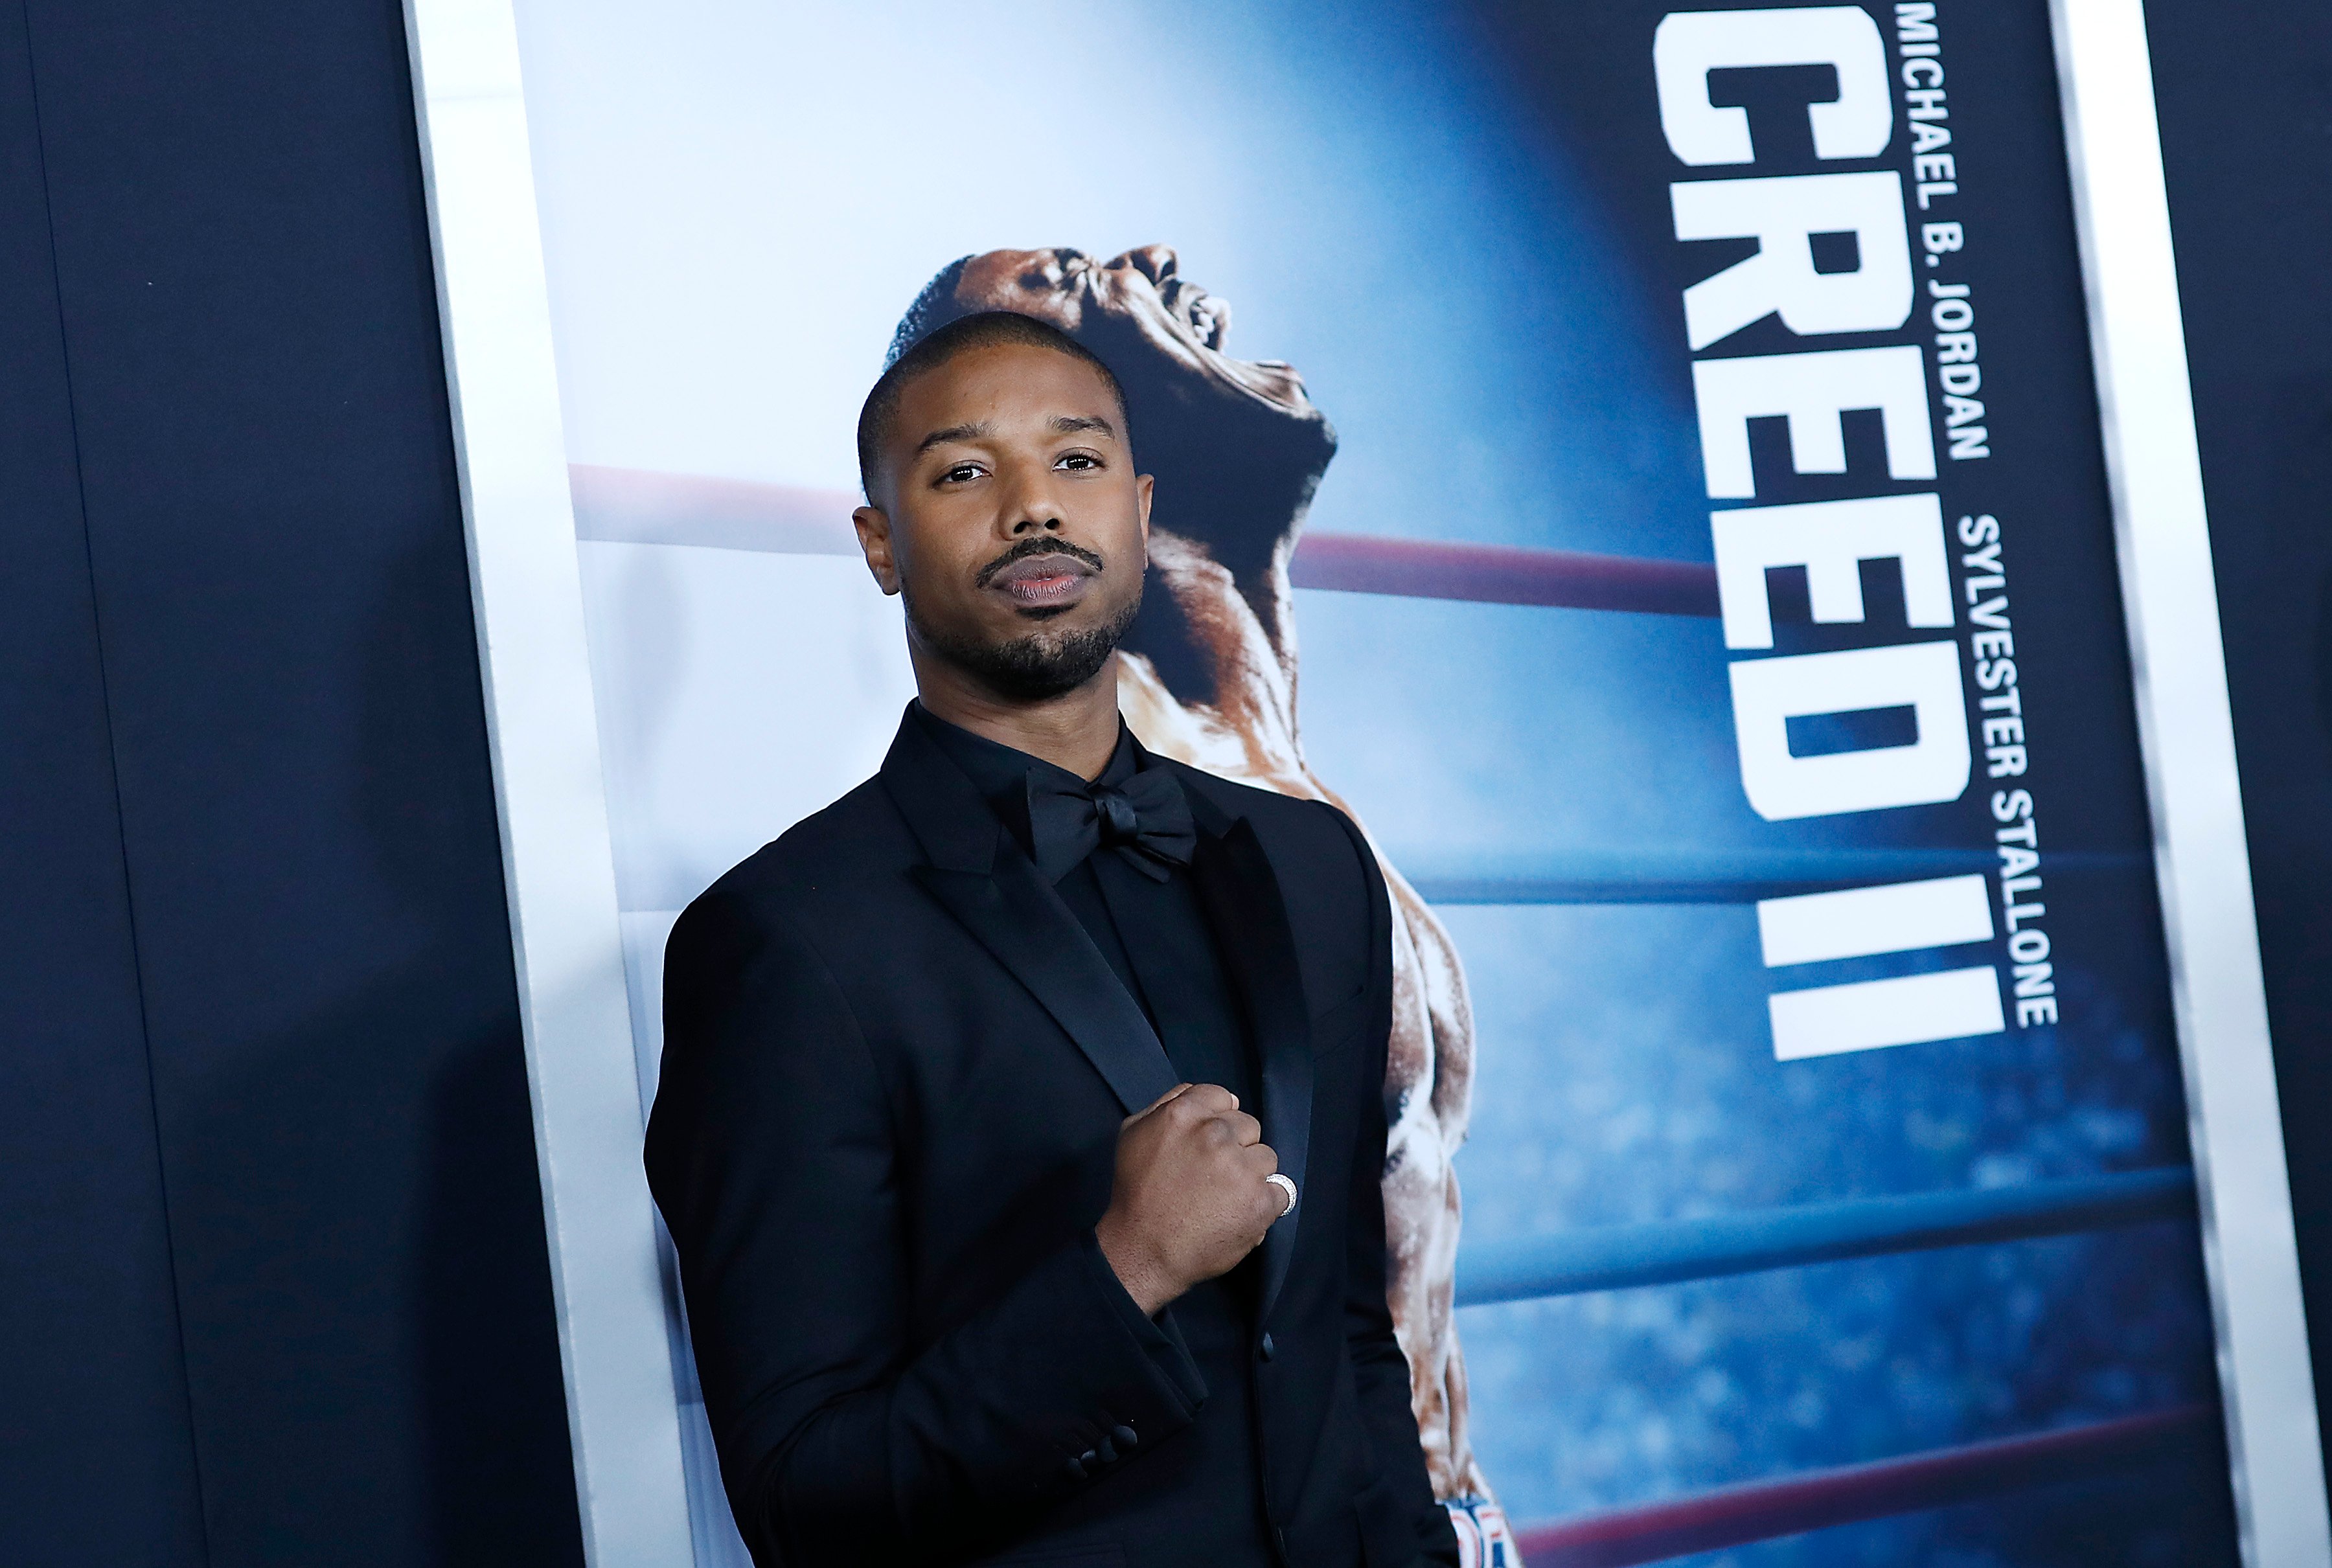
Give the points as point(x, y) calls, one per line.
point(1783, 215)
point(1812, 391)
point(1867, 1015)
point(1862, 922)
point(1832, 540)
point(1689, 44)
point(1767, 693)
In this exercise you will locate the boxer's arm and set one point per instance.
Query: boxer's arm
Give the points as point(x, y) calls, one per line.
point(773, 1156)
point(1401, 1507)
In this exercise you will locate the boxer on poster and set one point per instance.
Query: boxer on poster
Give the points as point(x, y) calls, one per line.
point(1022, 1121)
point(1209, 676)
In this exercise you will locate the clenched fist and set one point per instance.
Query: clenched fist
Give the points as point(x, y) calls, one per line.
point(1192, 1195)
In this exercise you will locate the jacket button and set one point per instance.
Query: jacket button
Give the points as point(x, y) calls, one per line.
point(1076, 1469)
point(1124, 1436)
point(1268, 1349)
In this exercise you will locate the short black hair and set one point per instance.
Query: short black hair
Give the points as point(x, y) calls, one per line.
point(920, 355)
point(934, 307)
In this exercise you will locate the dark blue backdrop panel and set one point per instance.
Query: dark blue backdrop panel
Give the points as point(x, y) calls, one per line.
point(258, 390)
point(96, 1465)
point(2247, 147)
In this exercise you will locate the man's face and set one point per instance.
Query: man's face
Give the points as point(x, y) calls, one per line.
point(1010, 518)
point(1134, 296)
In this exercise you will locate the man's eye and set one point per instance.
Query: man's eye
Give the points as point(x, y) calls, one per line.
point(1079, 460)
point(962, 472)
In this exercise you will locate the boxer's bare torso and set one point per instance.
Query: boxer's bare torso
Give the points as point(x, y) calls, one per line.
point(1207, 676)
point(1251, 735)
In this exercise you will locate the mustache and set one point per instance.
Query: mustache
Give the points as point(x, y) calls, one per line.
point(1026, 547)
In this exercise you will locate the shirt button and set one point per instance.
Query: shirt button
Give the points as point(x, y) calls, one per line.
point(1268, 1349)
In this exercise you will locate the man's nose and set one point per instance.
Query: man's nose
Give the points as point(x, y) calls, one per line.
point(1156, 262)
point(1031, 508)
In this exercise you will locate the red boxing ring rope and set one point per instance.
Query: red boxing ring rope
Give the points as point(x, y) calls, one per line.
point(1817, 1499)
point(629, 506)
point(1502, 574)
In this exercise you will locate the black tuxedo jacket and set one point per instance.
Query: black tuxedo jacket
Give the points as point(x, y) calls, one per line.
point(894, 1069)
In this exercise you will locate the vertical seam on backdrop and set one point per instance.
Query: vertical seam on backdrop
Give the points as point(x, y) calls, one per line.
point(113, 775)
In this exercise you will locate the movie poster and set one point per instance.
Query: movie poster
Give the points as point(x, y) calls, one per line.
point(1645, 466)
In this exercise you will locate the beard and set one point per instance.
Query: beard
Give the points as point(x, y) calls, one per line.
point(1037, 665)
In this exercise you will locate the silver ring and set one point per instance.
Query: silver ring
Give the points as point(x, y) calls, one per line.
point(1287, 1186)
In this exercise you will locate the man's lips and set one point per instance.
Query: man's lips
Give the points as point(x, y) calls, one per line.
point(1039, 581)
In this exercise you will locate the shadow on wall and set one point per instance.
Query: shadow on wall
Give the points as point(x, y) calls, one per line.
point(369, 1316)
point(493, 1424)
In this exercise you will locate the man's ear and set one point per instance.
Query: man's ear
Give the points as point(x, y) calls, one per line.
point(873, 528)
point(1142, 485)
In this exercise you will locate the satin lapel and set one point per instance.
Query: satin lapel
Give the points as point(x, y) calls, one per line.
point(1241, 896)
point(1024, 923)
point(980, 876)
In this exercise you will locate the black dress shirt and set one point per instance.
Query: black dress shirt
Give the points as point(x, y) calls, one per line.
point(1154, 933)
point(1157, 939)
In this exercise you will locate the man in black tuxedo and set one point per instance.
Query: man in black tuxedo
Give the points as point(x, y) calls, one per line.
point(1021, 1130)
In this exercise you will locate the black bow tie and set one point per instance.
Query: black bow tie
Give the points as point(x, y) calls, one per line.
point(1146, 820)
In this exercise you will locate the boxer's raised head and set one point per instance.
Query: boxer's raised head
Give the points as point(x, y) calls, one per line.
point(1003, 505)
point(1237, 444)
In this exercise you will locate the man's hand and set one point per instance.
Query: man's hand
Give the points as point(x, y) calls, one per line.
point(1191, 1196)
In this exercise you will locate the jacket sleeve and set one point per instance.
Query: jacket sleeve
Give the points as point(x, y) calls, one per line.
point(1400, 1516)
point(774, 1157)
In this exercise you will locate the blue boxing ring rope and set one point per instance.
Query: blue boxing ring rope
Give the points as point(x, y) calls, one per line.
point(1702, 877)
point(1616, 1257)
